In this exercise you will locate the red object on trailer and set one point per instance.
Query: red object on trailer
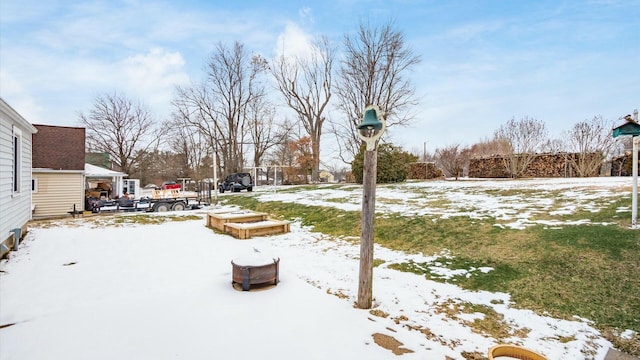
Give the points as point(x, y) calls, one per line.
point(170, 185)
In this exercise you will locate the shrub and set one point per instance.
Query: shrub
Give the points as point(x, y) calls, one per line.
point(392, 167)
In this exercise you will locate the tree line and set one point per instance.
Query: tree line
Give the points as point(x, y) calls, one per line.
point(230, 116)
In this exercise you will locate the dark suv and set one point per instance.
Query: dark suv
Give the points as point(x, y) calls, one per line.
point(236, 182)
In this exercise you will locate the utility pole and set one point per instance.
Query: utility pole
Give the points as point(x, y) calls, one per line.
point(215, 175)
point(426, 166)
point(424, 152)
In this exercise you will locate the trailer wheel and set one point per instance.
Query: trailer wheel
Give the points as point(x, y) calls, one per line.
point(179, 206)
point(161, 207)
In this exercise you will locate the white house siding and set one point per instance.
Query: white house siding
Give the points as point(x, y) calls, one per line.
point(57, 191)
point(15, 207)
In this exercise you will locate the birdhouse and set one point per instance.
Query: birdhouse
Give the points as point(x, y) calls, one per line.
point(629, 128)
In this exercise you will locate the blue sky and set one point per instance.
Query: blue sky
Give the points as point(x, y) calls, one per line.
point(483, 62)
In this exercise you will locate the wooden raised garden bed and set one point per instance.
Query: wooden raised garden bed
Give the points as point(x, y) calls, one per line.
point(261, 228)
point(219, 220)
point(246, 224)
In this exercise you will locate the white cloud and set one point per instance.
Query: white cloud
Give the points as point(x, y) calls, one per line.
point(66, 85)
point(153, 76)
point(293, 42)
point(472, 31)
point(19, 98)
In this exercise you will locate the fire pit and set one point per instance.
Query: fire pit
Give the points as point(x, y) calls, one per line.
point(255, 270)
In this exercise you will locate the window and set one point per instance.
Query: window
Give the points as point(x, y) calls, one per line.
point(17, 159)
point(34, 185)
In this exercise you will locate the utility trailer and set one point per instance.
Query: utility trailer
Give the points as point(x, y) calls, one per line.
point(172, 199)
point(157, 201)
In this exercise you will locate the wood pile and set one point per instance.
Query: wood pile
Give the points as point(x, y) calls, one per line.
point(550, 165)
point(423, 171)
point(623, 165)
point(543, 165)
point(488, 167)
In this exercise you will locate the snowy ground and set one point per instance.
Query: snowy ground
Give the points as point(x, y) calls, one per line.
point(108, 287)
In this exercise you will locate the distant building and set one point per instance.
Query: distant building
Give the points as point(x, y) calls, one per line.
point(326, 176)
point(98, 159)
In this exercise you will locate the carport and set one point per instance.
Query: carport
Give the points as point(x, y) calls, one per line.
point(95, 173)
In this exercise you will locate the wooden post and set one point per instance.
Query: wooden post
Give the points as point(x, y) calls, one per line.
point(365, 284)
point(634, 194)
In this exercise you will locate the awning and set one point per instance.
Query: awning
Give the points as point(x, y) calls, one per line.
point(97, 171)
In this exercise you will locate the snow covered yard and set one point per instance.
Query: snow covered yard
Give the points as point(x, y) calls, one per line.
point(124, 287)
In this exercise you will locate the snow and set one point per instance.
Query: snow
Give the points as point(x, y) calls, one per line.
point(107, 288)
point(476, 198)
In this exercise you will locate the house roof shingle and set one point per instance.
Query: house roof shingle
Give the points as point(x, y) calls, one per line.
point(58, 147)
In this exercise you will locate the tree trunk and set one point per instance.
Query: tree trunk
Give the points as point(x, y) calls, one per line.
point(315, 171)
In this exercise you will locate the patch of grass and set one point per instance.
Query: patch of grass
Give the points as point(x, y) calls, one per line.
point(326, 220)
point(630, 344)
point(491, 323)
point(141, 219)
point(378, 313)
point(516, 192)
point(389, 201)
point(185, 217)
point(472, 279)
point(473, 355)
point(378, 262)
point(334, 187)
point(613, 241)
point(297, 188)
point(138, 219)
point(338, 200)
point(586, 271)
point(606, 213)
point(339, 293)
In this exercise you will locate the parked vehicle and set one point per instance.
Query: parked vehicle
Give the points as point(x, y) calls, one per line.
point(236, 182)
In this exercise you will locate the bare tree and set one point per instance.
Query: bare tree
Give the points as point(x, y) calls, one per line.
point(305, 84)
point(219, 106)
point(553, 146)
point(592, 142)
point(277, 154)
point(520, 140)
point(264, 132)
point(488, 147)
point(452, 159)
point(374, 70)
point(190, 144)
point(193, 106)
point(122, 129)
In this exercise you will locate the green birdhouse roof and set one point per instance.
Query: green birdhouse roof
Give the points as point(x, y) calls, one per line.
point(629, 128)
